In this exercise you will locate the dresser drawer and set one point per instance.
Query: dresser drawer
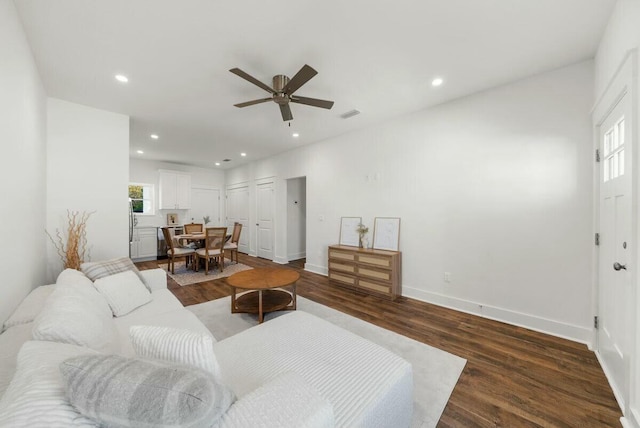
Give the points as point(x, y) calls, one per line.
point(345, 279)
point(335, 254)
point(384, 262)
point(375, 286)
point(341, 267)
point(378, 274)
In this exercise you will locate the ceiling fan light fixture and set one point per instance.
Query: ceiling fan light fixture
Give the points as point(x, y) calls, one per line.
point(282, 92)
point(350, 113)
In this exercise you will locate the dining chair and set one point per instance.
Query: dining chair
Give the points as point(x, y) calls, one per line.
point(213, 248)
point(232, 245)
point(193, 228)
point(175, 252)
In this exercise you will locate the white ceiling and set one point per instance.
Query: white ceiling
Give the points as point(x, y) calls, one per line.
point(376, 56)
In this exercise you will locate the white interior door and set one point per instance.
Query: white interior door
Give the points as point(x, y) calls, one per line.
point(266, 202)
point(238, 211)
point(615, 256)
point(205, 202)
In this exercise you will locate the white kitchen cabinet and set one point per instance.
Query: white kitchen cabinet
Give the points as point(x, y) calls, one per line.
point(144, 245)
point(175, 190)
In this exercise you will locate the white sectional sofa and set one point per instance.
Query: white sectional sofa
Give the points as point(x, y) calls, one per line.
point(294, 371)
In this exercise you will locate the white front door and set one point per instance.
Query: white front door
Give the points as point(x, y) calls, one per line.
point(205, 202)
point(615, 257)
point(266, 202)
point(238, 211)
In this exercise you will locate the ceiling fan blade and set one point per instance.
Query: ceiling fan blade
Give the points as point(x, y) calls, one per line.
point(252, 79)
point(303, 76)
point(313, 102)
point(250, 103)
point(286, 112)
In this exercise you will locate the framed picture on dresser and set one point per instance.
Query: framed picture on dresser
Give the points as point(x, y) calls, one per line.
point(172, 219)
point(349, 231)
point(386, 233)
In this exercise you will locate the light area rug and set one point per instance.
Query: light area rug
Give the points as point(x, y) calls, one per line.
point(184, 276)
point(435, 372)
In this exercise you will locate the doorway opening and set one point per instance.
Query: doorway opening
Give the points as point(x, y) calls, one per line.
point(297, 219)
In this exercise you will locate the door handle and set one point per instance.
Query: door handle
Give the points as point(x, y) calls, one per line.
point(618, 266)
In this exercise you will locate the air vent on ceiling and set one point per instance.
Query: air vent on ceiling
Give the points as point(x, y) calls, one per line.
point(350, 113)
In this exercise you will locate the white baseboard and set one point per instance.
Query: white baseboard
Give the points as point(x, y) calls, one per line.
point(281, 260)
point(297, 256)
point(144, 259)
point(631, 421)
point(626, 423)
point(542, 325)
point(616, 392)
point(320, 270)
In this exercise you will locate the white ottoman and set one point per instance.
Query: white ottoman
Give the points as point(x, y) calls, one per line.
point(367, 385)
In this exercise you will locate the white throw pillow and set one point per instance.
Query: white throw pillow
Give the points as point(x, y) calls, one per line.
point(72, 276)
point(78, 283)
point(123, 291)
point(176, 346)
point(69, 316)
point(30, 307)
point(36, 396)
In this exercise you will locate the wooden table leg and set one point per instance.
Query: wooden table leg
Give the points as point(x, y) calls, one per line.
point(294, 296)
point(260, 314)
point(233, 300)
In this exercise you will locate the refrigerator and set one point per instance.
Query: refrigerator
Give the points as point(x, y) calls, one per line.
point(132, 223)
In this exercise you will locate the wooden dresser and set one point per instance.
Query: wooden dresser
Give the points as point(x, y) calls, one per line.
point(374, 271)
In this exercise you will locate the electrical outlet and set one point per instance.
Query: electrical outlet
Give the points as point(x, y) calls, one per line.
point(447, 277)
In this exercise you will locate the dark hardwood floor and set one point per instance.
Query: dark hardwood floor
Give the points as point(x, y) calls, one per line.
point(514, 377)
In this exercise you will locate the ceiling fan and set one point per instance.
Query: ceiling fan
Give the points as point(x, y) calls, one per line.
point(283, 89)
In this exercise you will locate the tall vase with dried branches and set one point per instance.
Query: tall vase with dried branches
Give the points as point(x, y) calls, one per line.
point(74, 250)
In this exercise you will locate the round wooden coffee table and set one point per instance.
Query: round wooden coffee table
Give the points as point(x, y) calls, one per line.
point(262, 295)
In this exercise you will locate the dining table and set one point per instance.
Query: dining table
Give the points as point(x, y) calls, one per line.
point(190, 237)
point(198, 238)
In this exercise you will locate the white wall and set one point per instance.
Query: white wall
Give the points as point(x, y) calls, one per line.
point(296, 218)
point(88, 170)
point(621, 36)
point(494, 188)
point(146, 171)
point(22, 164)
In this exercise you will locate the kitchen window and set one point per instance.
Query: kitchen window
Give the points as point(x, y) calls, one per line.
point(141, 196)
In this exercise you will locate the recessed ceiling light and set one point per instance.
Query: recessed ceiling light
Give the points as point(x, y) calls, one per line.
point(295, 135)
point(140, 152)
point(217, 163)
point(437, 81)
point(243, 154)
point(154, 136)
point(122, 78)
